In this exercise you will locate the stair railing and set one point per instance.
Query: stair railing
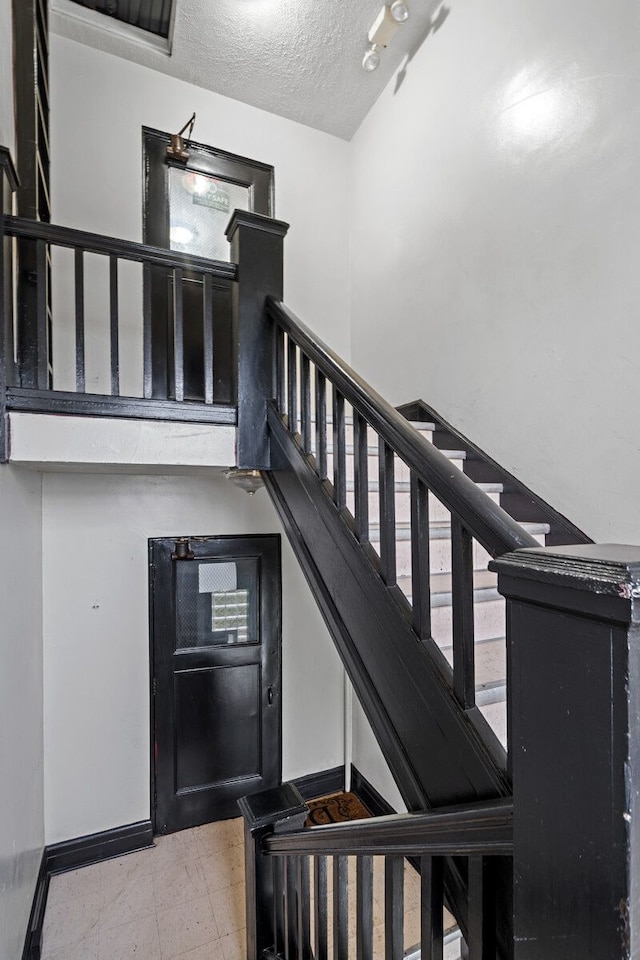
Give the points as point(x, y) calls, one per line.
point(327, 899)
point(313, 388)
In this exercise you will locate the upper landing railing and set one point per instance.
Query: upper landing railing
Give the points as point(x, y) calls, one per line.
point(98, 326)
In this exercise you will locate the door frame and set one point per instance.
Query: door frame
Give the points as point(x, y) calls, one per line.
point(257, 177)
point(277, 540)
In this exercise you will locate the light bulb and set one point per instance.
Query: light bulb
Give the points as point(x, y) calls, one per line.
point(181, 235)
point(399, 11)
point(371, 60)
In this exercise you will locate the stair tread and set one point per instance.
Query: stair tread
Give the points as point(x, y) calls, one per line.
point(441, 582)
point(372, 450)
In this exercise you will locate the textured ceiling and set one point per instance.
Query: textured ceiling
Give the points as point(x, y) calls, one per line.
point(297, 58)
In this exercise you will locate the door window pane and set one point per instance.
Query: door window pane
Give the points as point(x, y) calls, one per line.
point(216, 602)
point(200, 207)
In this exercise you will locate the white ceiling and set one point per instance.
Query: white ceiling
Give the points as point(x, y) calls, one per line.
point(300, 59)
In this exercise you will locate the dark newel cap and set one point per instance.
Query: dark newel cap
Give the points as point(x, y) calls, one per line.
point(245, 218)
point(609, 569)
point(272, 806)
point(7, 164)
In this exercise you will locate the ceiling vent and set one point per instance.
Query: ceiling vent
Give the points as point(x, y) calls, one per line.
point(154, 16)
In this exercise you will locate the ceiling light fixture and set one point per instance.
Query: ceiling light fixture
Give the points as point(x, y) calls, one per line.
point(382, 32)
point(371, 59)
point(399, 11)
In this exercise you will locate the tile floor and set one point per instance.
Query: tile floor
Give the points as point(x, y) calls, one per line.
point(182, 900)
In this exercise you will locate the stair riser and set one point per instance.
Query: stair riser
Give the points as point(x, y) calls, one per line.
point(402, 472)
point(437, 511)
point(440, 556)
point(488, 618)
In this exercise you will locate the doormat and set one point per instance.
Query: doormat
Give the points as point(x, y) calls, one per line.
point(336, 808)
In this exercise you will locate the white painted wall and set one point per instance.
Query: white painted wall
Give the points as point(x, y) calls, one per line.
point(7, 131)
point(100, 104)
point(495, 244)
point(21, 750)
point(96, 647)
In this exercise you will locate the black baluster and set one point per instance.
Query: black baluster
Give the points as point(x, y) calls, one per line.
point(339, 453)
point(178, 336)
point(303, 894)
point(364, 908)
point(113, 324)
point(41, 315)
point(278, 904)
point(207, 336)
point(340, 907)
point(420, 570)
point(320, 907)
point(393, 908)
point(462, 604)
point(387, 501)
point(81, 383)
point(292, 378)
point(305, 389)
point(481, 929)
point(431, 905)
point(321, 425)
point(361, 476)
point(147, 332)
point(291, 913)
point(278, 353)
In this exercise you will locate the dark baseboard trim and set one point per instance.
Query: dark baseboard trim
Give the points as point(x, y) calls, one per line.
point(71, 854)
point(320, 784)
point(373, 801)
point(33, 939)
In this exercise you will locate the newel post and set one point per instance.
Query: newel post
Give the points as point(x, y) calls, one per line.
point(257, 247)
point(280, 810)
point(8, 185)
point(573, 643)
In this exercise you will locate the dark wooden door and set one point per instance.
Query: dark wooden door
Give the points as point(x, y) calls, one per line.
point(216, 623)
point(187, 208)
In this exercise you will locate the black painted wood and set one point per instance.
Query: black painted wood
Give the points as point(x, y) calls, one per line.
point(361, 477)
point(387, 513)
point(517, 499)
point(177, 381)
point(210, 690)
point(79, 305)
point(420, 566)
point(33, 939)
point(339, 452)
point(464, 830)
point(114, 326)
point(488, 523)
point(364, 908)
point(435, 754)
point(121, 249)
point(372, 799)
point(574, 700)
point(41, 315)
point(393, 908)
point(292, 385)
point(256, 246)
point(290, 909)
point(278, 809)
point(8, 186)
point(321, 425)
point(94, 405)
point(147, 333)
point(305, 412)
point(208, 320)
point(320, 784)
point(320, 907)
point(340, 906)
point(431, 905)
point(279, 368)
point(81, 851)
point(303, 890)
point(464, 684)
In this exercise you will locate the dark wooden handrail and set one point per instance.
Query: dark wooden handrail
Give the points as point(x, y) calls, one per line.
point(489, 523)
point(112, 246)
point(484, 829)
